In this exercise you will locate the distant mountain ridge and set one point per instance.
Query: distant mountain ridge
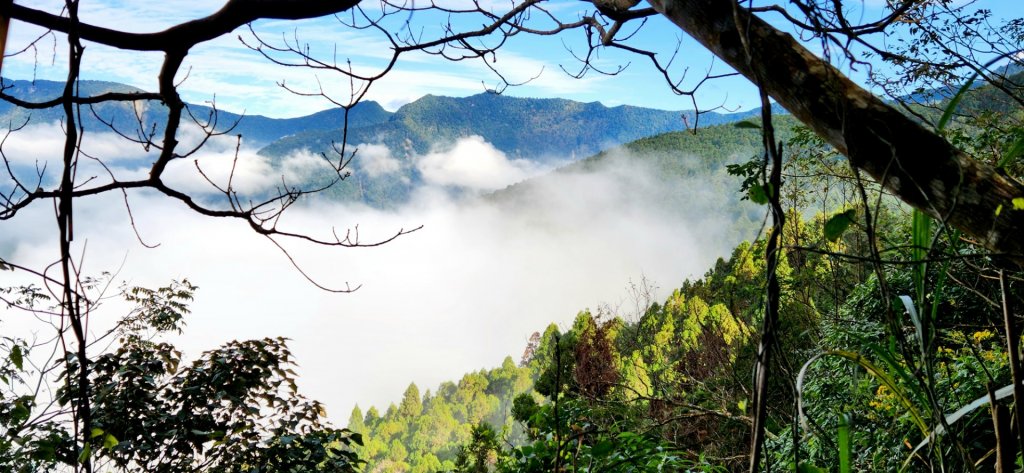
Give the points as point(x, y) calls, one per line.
point(257, 129)
point(543, 131)
point(529, 128)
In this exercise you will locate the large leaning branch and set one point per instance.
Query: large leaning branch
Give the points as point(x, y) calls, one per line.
point(182, 37)
point(914, 163)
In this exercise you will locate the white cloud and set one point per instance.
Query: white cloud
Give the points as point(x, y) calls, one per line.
point(105, 155)
point(248, 173)
point(44, 142)
point(301, 165)
point(474, 164)
point(376, 160)
point(220, 160)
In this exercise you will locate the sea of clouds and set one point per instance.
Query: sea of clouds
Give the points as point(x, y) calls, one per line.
point(459, 294)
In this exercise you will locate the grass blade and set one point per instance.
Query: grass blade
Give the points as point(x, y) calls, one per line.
point(845, 444)
point(951, 106)
point(1014, 150)
point(908, 304)
point(953, 418)
point(921, 236)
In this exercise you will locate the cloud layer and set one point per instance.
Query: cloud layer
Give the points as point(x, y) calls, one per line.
point(460, 294)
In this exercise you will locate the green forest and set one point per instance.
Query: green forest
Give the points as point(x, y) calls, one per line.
point(666, 387)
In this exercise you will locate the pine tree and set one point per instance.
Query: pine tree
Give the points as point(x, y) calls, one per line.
point(355, 420)
point(411, 405)
point(372, 416)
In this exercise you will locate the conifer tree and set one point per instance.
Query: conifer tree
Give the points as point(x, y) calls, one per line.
point(355, 420)
point(411, 405)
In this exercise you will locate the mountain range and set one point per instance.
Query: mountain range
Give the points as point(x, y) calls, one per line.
point(522, 128)
point(542, 131)
point(528, 128)
point(256, 129)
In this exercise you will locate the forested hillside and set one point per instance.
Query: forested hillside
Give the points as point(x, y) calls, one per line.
point(668, 388)
point(684, 170)
point(426, 431)
point(669, 378)
point(665, 385)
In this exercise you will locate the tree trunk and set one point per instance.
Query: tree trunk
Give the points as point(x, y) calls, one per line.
point(912, 162)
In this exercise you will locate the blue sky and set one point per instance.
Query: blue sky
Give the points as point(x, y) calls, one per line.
point(239, 79)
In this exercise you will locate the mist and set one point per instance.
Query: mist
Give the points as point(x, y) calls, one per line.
point(466, 290)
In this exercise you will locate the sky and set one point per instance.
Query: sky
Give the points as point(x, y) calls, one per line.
point(460, 294)
point(238, 79)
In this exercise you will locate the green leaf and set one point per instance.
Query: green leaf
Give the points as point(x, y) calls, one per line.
point(758, 194)
point(1018, 203)
point(86, 453)
point(96, 432)
point(44, 450)
point(20, 412)
point(602, 448)
point(880, 375)
point(951, 106)
point(747, 124)
point(809, 468)
point(838, 224)
point(17, 357)
point(897, 368)
point(908, 304)
point(109, 441)
point(1015, 149)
